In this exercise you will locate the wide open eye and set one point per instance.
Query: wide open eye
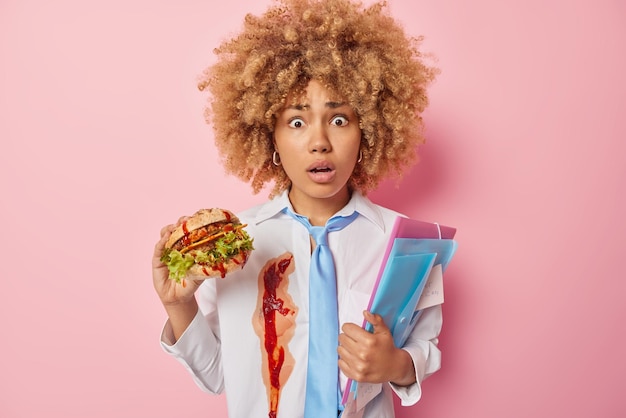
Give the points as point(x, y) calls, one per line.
point(339, 120)
point(296, 123)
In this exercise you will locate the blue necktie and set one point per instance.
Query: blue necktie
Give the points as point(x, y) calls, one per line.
point(322, 395)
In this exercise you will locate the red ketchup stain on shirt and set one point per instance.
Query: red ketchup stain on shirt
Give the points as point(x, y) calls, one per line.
point(272, 277)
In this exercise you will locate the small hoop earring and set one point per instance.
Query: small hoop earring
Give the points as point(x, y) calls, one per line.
point(276, 159)
point(360, 156)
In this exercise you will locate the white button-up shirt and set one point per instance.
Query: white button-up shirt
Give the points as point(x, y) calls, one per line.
point(221, 349)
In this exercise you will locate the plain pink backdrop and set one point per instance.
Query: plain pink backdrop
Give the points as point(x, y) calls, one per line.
point(103, 142)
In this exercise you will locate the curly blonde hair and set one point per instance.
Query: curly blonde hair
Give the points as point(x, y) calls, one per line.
point(360, 53)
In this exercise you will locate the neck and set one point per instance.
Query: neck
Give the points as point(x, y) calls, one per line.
point(319, 210)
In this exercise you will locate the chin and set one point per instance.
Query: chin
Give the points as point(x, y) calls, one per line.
point(322, 191)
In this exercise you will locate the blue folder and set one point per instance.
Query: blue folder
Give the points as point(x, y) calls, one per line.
point(413, 249)
point(402, 282)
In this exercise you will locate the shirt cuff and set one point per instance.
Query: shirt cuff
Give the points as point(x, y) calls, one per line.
point(197, 350)
point(426, 360)
point(168, 341)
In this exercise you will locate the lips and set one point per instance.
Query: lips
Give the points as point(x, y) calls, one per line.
point(320, 167)
point(321, 172)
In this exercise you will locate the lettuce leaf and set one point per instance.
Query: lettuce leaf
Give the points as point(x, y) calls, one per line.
point(225, 247)
point(177, 263)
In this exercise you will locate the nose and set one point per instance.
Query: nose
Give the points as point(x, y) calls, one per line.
point(319, 141)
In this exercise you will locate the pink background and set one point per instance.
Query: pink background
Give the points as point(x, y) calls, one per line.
point(103, 142)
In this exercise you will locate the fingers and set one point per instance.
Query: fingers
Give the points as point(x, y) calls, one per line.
point(357, 333)
point(170, 292)
point(366, 356)
point(166, 230)
point(357, 358)
point(355, 343)
point(377, 322)
point(165, 233)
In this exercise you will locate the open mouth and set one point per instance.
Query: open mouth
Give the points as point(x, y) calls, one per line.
point(320, 170)
point(320, 167)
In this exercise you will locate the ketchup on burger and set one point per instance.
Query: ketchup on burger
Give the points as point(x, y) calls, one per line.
point(210, 243)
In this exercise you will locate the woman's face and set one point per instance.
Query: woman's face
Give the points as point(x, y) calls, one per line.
point(318, 139)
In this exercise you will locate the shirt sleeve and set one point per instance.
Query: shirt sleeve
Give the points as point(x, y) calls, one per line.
point(422, 346)
point(198, 348)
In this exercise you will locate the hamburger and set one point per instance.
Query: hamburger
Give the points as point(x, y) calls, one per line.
point(210, 243)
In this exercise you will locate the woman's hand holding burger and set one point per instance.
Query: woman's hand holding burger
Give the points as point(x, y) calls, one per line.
point(208, 244)
point(177, 297)
point(170, 292)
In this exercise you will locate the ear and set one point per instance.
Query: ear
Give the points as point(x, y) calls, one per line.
point(274, 144)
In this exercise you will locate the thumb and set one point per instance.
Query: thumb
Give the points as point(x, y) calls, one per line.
point(376, 321)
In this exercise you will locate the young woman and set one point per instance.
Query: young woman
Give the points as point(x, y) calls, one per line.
point(322, 99)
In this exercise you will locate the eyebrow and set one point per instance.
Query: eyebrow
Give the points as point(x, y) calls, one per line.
point(331, 105)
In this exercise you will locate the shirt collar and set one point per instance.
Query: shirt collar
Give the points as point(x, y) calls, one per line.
point(358, 203)
point(273, 207)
